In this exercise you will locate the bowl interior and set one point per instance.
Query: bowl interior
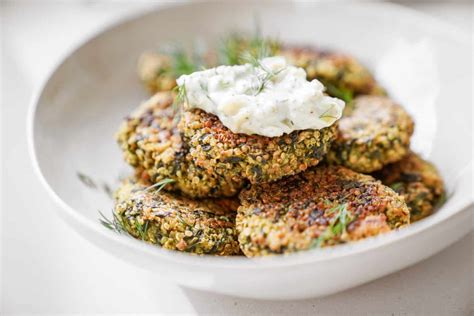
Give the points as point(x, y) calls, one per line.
point(89, 94)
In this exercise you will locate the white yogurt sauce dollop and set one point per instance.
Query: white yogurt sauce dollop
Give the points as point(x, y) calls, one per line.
point(269, 99)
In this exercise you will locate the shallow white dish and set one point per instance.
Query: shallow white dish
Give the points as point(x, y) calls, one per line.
point(423, 63)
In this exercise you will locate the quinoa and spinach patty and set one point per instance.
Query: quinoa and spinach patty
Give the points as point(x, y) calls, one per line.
point(200, 188)
point(418, 181)
point(176, 222)
point(323, 206)
point(254, 157)
point(374, 131)
point(153, 145)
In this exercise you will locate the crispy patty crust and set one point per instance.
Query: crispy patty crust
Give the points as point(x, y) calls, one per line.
point(373, 132)
point(418, 181)
point(152, 144)
point(177, 223)
point(323, 206)
point(342, 75)
point(254, 157)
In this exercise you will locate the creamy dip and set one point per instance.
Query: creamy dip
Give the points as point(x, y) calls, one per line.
point(270, 98)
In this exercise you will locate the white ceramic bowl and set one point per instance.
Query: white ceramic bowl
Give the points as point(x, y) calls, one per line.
point(423, 63)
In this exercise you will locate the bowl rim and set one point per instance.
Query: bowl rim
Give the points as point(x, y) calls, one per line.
point(298, 258)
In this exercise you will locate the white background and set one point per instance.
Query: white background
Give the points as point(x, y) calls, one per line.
point(47, 268)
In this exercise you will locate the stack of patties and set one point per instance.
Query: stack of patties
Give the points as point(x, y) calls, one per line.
point(250, 159)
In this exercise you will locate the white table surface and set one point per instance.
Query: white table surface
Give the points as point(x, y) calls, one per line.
point(47, 268)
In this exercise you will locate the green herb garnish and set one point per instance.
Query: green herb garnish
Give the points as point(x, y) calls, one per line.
point(337, 225)
point(183, 64)
point(141, 229)
point(179, 100)
point(267, 76)
point(159, 185)
point(235, 48)
point(117, 225)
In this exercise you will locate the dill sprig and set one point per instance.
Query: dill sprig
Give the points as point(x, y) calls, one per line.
point(182, 61)
point(179, 100)
point(267, 76)
point(182, 64)
point(141, 229)
point(235, 47)
point(159, 185)
point(230, 49)
point(116, 223)
point(337, 226)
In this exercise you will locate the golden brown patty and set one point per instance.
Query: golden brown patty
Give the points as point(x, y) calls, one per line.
point(323, 206)
point(256, 158)
point(177, 223)
point(417, 181)
point(343, 76)
point(152, 144)
point(373, 132)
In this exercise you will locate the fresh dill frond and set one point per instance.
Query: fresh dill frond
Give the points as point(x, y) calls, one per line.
point(159, 185)
point(179, 100)
point(181, 95)
point(268, 76)
point(236, 49)
point(141, 228)
point(115, 224)
point(229, 49)
point(183, 63)
point(260, 47)
point(249, 58)
point(337, 226)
